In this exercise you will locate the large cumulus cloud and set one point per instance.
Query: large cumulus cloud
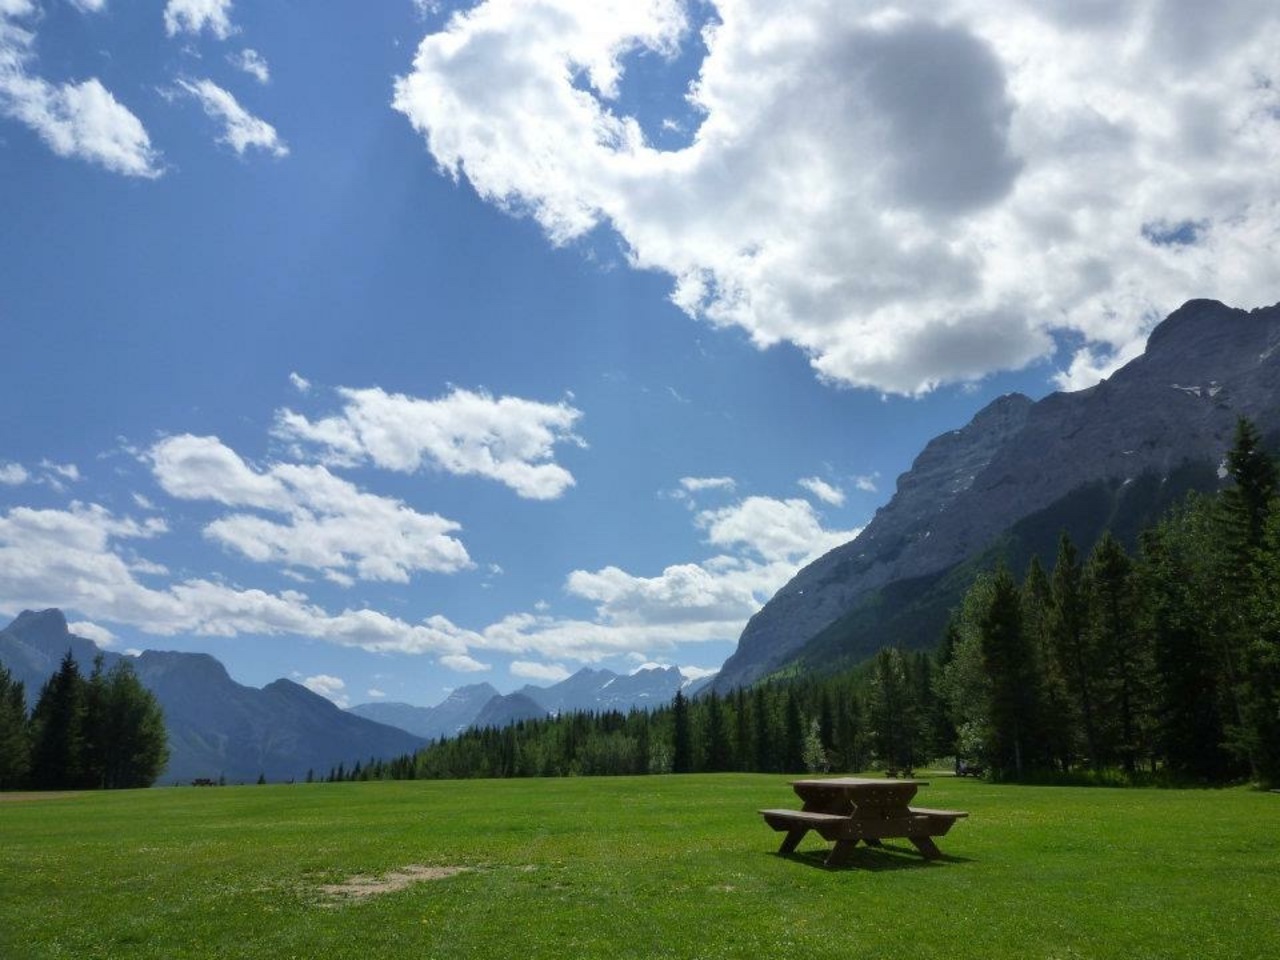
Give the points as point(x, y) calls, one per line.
point(912, 193)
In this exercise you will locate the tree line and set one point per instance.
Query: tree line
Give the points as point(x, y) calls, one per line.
point(1165, 661)
point(104, 731)
point(1160, 663)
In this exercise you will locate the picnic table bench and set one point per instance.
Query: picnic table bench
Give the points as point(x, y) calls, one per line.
point(853, 810)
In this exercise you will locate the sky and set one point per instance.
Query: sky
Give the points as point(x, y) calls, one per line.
point(391, 347)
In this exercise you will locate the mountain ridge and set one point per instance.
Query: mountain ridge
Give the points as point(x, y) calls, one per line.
point(1177, 403)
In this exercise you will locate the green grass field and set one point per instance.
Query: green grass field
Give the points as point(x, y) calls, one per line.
point(616, 868)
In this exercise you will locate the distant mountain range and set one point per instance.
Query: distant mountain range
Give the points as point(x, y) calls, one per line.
point(217, 727)
point(1114, 456)
point(480, 705)
point(220, 728)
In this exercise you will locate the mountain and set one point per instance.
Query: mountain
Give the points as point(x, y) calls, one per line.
point(453, 715)
point(502, 711)
point(1112, 456)
point(217, 727)
point(480, 705)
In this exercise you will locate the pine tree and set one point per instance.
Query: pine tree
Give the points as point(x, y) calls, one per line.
point(793, 734)
point(718, 756)
point(15, 740)
point(1189, 706)
point(681, 738)
point(891, 712)
point(1015, 709)
point(1122, 653)
point(1245, 640)
point(1073, 656)
point(132, 745)
point(58, 734)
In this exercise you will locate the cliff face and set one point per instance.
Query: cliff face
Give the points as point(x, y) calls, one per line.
point(1204, 366)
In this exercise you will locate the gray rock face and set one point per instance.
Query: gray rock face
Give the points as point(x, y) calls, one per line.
point(1204, 366)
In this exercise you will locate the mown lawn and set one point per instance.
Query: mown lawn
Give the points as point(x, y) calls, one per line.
point(648, 867)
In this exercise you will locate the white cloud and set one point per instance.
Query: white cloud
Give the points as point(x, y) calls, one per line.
point(331, 688)
point(252, 63)
point(464, 433)
point(13, 474)
point(823, 491)
point(90, 6)
point(329, 524)
point(553, 672)
point(910, 193)
point(699, 484)
point(67, 471)
point(463, 663)
point(300, 383)
point(867, 482)
point(241, 129)
point(76, 120)
point(75, 559)
point(702, 602)
point(91, 631)
point(773, 529)
point(375, 693)
point(192, 16)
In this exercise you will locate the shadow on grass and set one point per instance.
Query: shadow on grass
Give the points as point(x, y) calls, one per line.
point(875, 859)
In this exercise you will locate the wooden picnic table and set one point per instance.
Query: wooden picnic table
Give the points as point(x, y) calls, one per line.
point(850, 810)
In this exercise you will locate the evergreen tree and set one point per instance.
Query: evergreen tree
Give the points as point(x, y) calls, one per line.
point(717, 752)
point(15, 740)
point(1068, 622)
point(1055, 708)
point(891, 712)
point(1122, 652)
point(127, 727)
point(681, 739)
point(1261, 713)
point(1243, 595)
point(793, 734)
point(1015, 707)
point(1189, 705)
point(57, 731)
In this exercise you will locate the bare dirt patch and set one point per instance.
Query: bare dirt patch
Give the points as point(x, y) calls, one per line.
point(359, 887)
point(30, 795)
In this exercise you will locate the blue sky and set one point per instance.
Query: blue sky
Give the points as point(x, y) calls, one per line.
point(396, 346)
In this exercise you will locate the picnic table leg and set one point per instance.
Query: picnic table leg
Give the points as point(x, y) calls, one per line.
point(839, 854)
point(792, 840)
point(927, 847)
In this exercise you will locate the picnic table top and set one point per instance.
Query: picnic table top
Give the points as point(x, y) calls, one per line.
point(855, 782)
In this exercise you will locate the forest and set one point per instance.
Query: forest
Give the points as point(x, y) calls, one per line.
point(104, 731)
point(1159, 663)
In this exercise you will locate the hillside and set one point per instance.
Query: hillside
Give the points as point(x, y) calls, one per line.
point(1115, 455)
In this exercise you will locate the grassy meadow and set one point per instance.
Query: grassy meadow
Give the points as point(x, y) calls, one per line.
point(646, 867)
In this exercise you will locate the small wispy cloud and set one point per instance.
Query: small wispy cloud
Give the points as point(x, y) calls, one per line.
point(823, 491)
point(329, 687)
point(252, 63)
point(241, 130)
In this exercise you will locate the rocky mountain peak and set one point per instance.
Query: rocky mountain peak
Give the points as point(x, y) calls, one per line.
point(1204, 366)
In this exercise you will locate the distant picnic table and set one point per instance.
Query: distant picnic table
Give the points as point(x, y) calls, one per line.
point(853, 810)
